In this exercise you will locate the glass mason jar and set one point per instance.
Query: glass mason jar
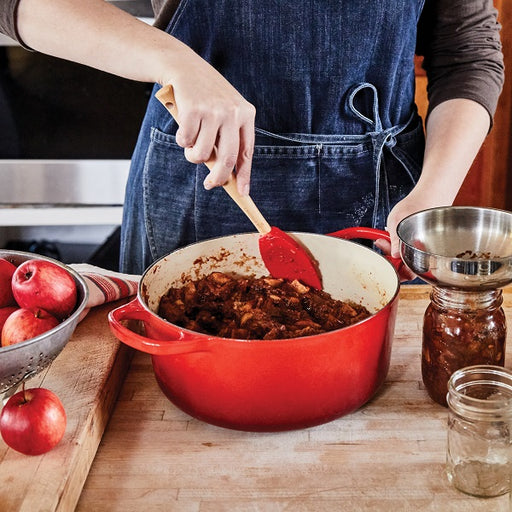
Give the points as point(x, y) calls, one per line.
point(479, 449)
point(460, 328)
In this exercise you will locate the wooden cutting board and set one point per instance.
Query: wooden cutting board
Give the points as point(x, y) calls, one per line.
point(87, 377)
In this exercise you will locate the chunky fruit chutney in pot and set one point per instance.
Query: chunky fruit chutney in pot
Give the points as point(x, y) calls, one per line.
point(263, 308)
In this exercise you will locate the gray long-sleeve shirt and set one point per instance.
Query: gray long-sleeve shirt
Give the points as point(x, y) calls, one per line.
point(459, 40)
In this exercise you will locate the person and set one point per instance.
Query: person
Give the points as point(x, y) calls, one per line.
point(310, 104)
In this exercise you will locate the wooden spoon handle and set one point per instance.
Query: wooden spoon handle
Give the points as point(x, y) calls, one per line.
point(247, 205)
point(166, 96)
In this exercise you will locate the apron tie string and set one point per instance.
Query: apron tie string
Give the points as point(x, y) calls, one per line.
point(380, 138)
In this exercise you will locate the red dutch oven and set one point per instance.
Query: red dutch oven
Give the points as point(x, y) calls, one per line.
point(260, 385)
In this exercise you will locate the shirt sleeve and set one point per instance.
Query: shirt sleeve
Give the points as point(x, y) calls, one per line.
point(8, 13)
point(460, 42)
point(164, 11)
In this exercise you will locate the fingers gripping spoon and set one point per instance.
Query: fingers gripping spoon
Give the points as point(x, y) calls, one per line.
point(283, 256)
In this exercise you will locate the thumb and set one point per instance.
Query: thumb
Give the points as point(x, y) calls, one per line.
point(395, 246)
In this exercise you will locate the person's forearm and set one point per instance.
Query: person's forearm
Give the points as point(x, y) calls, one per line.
point(213, 114)
point(455, 130)
point(99, 35)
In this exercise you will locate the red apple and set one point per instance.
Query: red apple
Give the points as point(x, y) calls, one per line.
point(33, 421)
point(5, 313)
point(25, 324)
point(7, 269)
point(41, 284)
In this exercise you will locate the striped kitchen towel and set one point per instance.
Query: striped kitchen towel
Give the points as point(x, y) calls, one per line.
point(105, 285)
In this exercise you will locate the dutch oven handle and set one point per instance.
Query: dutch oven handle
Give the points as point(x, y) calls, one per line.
point(368, 234)
point(178, 345)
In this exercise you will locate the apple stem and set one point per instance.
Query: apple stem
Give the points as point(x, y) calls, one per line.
point(24, 391)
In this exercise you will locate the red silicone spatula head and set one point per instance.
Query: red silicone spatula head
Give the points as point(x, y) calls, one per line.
point(285, 258)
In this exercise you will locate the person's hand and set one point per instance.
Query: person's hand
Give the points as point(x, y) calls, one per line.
point(214, 120)
point(414, 202)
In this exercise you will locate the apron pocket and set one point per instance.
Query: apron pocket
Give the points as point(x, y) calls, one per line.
point(301, 186)
point(347, 183)
point(169, 182)
point(284, 187)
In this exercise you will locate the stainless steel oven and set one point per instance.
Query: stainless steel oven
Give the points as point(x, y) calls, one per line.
point(67, 133)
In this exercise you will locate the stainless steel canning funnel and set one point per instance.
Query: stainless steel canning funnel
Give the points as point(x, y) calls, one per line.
point(26, 359)
point(459, 246)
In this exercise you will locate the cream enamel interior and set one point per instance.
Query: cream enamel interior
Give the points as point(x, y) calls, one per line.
point(349, 270)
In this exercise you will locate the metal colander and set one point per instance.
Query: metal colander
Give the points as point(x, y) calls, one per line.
point(26, 359)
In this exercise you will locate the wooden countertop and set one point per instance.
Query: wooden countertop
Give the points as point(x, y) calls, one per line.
point(389, 455)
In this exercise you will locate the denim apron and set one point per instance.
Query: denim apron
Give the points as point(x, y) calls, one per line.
point(338, 139)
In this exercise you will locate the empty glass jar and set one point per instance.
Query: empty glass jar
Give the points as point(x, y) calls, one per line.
point(479, 449)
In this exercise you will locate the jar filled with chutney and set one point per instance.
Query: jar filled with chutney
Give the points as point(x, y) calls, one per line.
point(460, 328)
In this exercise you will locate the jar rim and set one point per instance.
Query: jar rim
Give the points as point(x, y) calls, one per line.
point(464, 380)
